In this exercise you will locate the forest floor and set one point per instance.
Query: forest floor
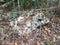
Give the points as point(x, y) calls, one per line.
point(49, 34)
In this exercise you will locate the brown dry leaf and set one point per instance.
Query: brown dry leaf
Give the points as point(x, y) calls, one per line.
point(3, 42)
point(38, 43)
point(16, 43)
point(45, 37)
point(47, 29)
point(27, 37)
point(22, 33)
point(58, 36)
point(45, 32)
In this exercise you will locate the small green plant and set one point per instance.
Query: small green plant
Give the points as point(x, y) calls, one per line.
point(13, 15)
point(46, 42)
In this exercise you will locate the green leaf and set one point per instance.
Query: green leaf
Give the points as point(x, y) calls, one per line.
point(46, 43)
point(13, 15)
point(1, 13)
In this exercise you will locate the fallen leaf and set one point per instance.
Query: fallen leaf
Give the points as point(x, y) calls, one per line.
point(16, 43)
point(58, 36)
